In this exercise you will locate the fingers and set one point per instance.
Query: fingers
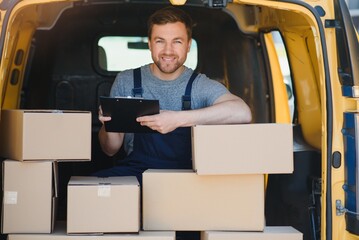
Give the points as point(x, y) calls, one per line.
point(104, 119)
point(101, 117)
point(148, 118)
point(145, 122)
point(154, 122)
point(148, 121)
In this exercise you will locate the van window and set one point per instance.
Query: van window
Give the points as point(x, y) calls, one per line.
point(117, 53)
point(284, 66)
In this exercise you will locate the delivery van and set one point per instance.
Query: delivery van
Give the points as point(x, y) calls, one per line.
point(293, 62)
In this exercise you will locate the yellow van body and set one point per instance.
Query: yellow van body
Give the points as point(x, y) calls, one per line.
point(309, 30)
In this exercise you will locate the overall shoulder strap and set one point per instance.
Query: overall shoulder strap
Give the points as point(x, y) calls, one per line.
point(186, 98)
point(137, 90)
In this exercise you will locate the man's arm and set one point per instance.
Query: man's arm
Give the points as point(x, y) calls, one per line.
point(110, 142)
point(227, 109)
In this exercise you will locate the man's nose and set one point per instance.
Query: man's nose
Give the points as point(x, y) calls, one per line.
point(168, 48)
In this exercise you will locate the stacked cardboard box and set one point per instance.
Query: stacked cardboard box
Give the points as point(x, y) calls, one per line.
point(269, 233)
point(29, 197)
point(45, 135)
point(225, 192)
point(183, 200)
point(103, 205)
point(223, 196)
point(242, 149)
point(33, 141)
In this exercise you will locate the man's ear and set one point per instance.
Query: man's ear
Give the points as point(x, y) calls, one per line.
point(189, 45)
point(149, 44)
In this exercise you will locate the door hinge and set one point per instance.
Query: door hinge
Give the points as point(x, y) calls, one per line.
point(340, 209)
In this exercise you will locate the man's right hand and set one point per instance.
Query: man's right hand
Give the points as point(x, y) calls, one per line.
point(101, 117)
point(110, 142)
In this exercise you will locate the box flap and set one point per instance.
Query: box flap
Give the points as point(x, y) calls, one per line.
point(51, 111)
point(2, 189)
point(168, 171)
point(92, 180)
point(55, 175)
point(54, 212)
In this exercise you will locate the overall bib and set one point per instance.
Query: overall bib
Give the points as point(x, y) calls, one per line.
point(156, 150)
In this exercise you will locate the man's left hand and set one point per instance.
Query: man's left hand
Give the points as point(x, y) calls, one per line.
point(164, 122)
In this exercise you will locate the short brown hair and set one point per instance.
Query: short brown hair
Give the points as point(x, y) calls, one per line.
point(170, 15)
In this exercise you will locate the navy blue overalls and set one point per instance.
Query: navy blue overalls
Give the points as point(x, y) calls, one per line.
point(156, 150)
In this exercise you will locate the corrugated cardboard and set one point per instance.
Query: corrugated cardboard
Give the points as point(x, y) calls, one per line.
point(28, 197)
point(60, 234)
point(269, 233)
point(103, 205)
point(242, 149)
point(183, 200)
point(45, 134)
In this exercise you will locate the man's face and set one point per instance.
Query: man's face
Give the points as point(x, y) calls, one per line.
point(169, 45)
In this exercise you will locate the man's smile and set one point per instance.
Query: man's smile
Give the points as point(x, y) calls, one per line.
point(168, 58)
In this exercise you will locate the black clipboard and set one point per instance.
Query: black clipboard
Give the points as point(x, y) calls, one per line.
point(124, 111)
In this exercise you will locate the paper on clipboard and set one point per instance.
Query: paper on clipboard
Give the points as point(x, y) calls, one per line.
point(124, 111)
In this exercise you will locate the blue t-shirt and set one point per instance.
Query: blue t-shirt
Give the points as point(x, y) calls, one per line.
point(204, 93)
point(169, 93)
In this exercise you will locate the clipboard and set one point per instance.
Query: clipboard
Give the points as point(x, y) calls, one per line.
point(124, 111)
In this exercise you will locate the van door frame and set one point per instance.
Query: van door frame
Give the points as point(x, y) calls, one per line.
point(6, 6)
point(328, 104)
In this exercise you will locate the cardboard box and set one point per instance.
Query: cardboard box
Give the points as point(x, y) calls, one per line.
point(182, 200)
point(45, 134)
point(60, 234)
point(242, 149)
point(28, 197)
point(103, 205)
point(269, 233)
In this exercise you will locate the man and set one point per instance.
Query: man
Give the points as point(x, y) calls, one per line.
point(186, 99)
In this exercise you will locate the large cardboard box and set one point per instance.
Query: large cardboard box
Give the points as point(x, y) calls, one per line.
point(103, 205)
point(45, 134)
point(269, 233)
point(183, 200)
point(60, 234)
point(29, 197)
point(242, 149)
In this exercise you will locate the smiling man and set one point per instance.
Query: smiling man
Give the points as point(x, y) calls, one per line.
point(169, 46)
point(186, 99)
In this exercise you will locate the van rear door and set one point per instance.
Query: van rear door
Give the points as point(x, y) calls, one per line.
point(348, 72)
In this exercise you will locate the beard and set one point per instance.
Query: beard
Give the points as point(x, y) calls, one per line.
point(168, 67)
